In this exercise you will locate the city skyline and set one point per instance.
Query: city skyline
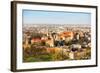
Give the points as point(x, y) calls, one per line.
point(55, 17)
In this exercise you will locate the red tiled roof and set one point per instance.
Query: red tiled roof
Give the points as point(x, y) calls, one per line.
point(36, 39)
point(66, 34)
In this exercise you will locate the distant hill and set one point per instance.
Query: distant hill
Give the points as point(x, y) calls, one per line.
point(56, 25)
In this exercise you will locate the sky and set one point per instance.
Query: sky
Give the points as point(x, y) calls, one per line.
point(55, 17)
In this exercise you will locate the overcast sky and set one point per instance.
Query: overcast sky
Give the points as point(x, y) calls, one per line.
point(51, 17)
